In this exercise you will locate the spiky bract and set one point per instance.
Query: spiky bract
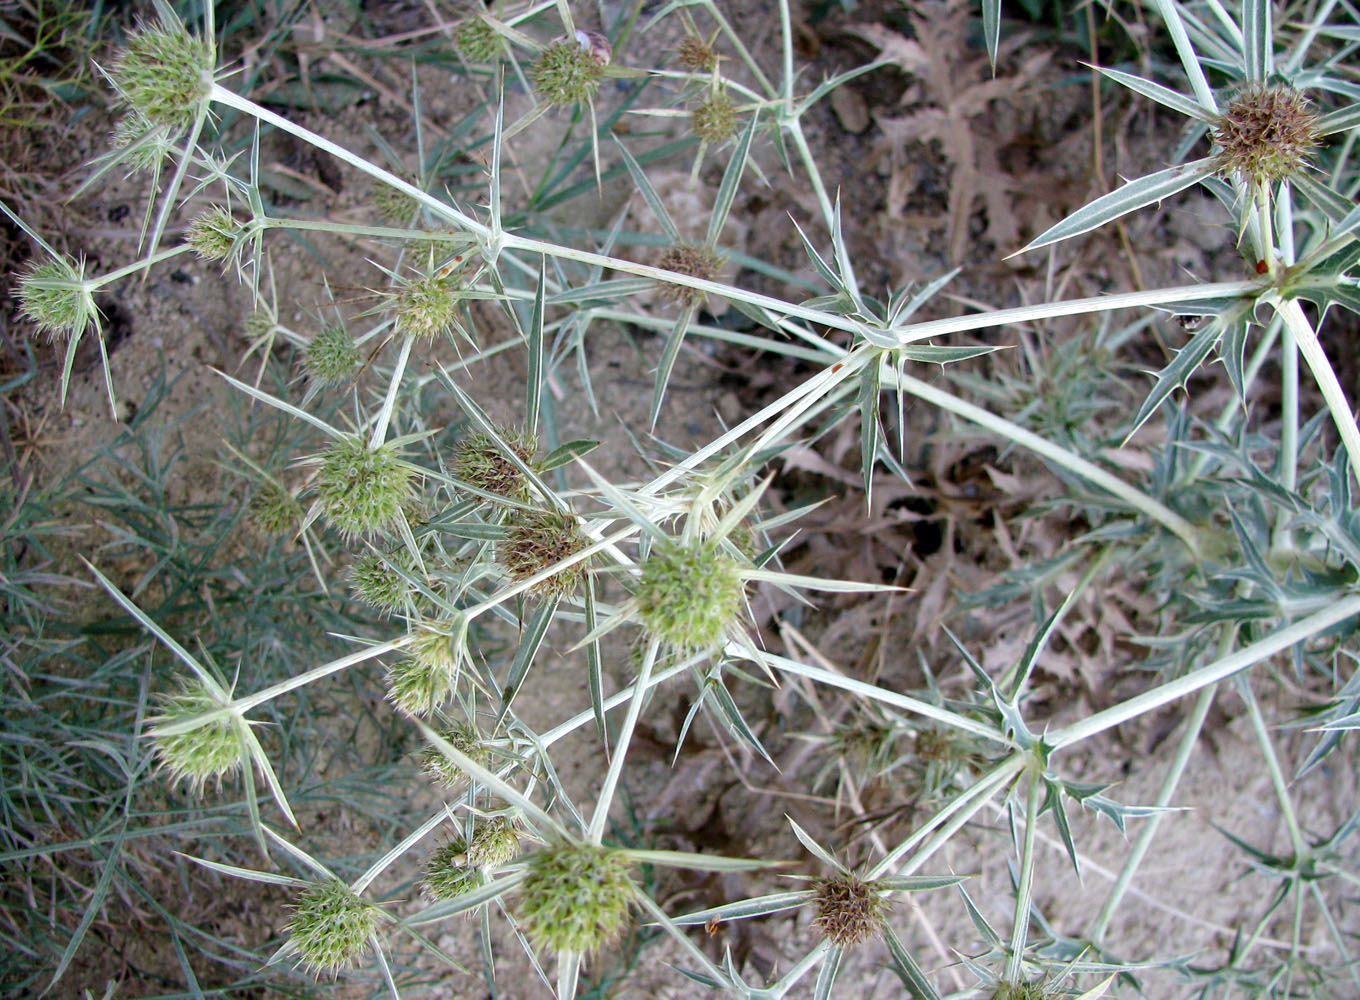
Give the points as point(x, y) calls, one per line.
point(1267, 134)
point(330, 926)
point(332, 356)
point(54, 295)
point(567, 73)
point(208, 752)
point(365, 490)
point(576, 897)
point(539, 539)
point(165, 74)
point(214, 234)
point(849, 909)
point(689, 593)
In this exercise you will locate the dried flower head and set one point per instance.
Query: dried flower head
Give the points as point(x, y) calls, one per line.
point(363, 490)
point(697, 55)
point(274, 510)
point(480, 462)
point(467, 741)
point(330, 926)
point(332, 356)
point(689, 593)
point(58, 298)
point(697, 260)
point(1267, 134)
point(208, 752)
point(567, 72)
point(715, 119)
point(576, 897)
point(426, 676)
point(849, 909)
point(539, 539)
point(164, 74)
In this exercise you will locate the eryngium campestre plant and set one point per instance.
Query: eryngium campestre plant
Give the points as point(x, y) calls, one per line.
point(330, 926)
point(1267, 134)
point(689, 593)
point(164, 74)
point(575, 897)
point(208, 752)
point(849, 909)
point(567, 72)
point(365, 490)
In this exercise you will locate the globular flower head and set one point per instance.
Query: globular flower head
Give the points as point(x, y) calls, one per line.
point(363, 490)
point(849, 909)
point(539, 539)
point(689, 593)
point(208, 752)
point(467, 741)
point(480, 462)
point(380, 586)
point(164, 74)
point(330, 926)
point(694, 259)
point(448, 874)
point(1267, 133)
point(332, 356)
point(715, 120)
point(575, 897)
point(215, 234)
point(478, 41)
point(426, 306)
point(145, 144)
point(56, 296)
point(568, 72)
point(274, 510)
point(426, 676)
point(494, 844)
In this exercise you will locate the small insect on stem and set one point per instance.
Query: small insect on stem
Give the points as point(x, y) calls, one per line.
point(712, 926)
point(1262, 267)
point(836, 367)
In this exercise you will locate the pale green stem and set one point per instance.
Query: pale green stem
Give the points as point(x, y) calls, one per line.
point(349, 229)
point(1212, 673)
point(94, 284)
point(1332, 394)
point(1193, 726)
point(949, 819)
point(580, 719)
point(794, 128)
point(1135, 498)
point(1024, 894)
point(904, 702)
point(222, 95)
point(243, 705)
point(798, 970)
point(611, 780)
point(1261, 199)
point(1277, 778)
point(390, 400)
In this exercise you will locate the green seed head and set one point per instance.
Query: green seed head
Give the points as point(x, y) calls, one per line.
point(689, 593)
point(332, 357)
point(153, 142)
point(274, 511)
point(330, 926)
point(426, 676)
point(448, 874)
point(479, 462)
point(1022, 991)
point(396, 207)
point(365, 490)
point(215, 234)
point(715, 120)
point(568, 72)
point(695, 260)
point(56, 297)
point(538, 540)
point(164, 75)
point(206, 753)
point(1267, 134)
point(467, 741)
point(849, 909)
point(425, 307)
point(380, 586)
point(478, 41)
point(575, 897)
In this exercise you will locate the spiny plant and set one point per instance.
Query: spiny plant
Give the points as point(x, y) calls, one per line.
point(1242, 528)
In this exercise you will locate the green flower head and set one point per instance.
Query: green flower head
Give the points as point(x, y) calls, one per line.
point(689, 593)
point(330, 926)
point(363, 490)
point(208, 752)
point(576, 897)
point(164, 74)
